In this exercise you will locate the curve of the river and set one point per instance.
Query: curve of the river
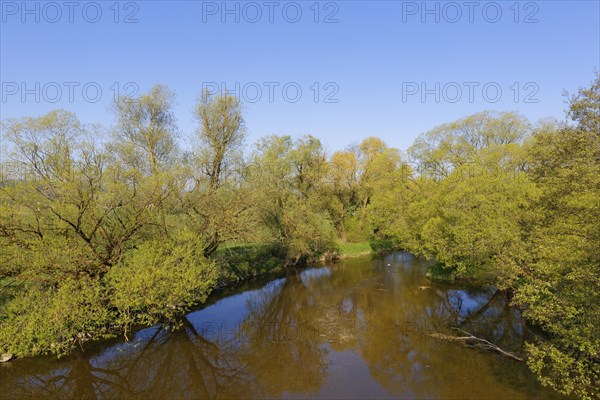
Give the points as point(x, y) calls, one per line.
point(354, 329)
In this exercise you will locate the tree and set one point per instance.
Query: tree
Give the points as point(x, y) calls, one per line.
point(222, 132)
point(145, 132)
point(345, 186)
point(293, 201)
point(144, 141)
point(561, 290)
point(361, 173)
point(483, 140)
point(216, 201)
point(584, 107)
point(72, 199)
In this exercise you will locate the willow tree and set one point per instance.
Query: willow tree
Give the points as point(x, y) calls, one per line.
point(145, 131)
point(561, 289)
point(144, 142)
point(488, 140)
point(216, 201)
point(72, 204)
point(345, 186)
point(471, 209)
point(355, 172)
point(294, 200)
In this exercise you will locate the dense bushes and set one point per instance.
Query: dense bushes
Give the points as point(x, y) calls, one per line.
point(158, 281)
point(45, 318)
point(154, 283)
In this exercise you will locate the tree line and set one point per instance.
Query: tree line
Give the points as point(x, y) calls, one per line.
point(113, 228)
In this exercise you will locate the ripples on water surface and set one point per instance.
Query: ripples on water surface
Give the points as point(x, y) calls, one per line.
point(355, 329)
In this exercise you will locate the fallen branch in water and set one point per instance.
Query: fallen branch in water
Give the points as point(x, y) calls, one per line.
point(474, 341)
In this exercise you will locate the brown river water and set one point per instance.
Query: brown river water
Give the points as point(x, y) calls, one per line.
point(356, 329)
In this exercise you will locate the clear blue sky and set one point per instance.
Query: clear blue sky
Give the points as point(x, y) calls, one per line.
point(377, 58)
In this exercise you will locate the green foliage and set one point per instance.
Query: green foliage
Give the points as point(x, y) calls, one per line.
point(471, 207)
point(306, 232)
point(441, 272)
point(216, 204)
point(160, 280)
point(584, 107)
point(102, 233)
point(42, 319)
point(561, 287)
point(102, 217)
point(478, 221)
point(563, 370)
point(145, 133)
point(294, 201)
point(519, 207)
point(380, 245)
point(486, 139)
point(248, 260)
point(356, 229)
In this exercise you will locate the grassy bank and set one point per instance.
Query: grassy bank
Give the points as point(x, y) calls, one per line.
point(137, 292)
point(350, 250)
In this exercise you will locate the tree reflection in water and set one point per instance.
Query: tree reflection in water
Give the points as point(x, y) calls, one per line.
point(292, 338)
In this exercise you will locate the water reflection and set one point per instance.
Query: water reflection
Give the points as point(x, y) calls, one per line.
point(357, 329)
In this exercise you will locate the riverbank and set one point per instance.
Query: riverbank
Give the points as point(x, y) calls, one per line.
point(442, 274)
point(237, 264)
point(240, 262)
point(329, 327)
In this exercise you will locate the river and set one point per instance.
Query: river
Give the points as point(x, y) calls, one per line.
point(353, 329)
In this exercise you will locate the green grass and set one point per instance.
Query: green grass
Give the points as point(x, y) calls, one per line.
point(348, 250)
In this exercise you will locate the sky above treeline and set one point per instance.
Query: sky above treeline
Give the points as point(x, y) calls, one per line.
point(339, 70)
